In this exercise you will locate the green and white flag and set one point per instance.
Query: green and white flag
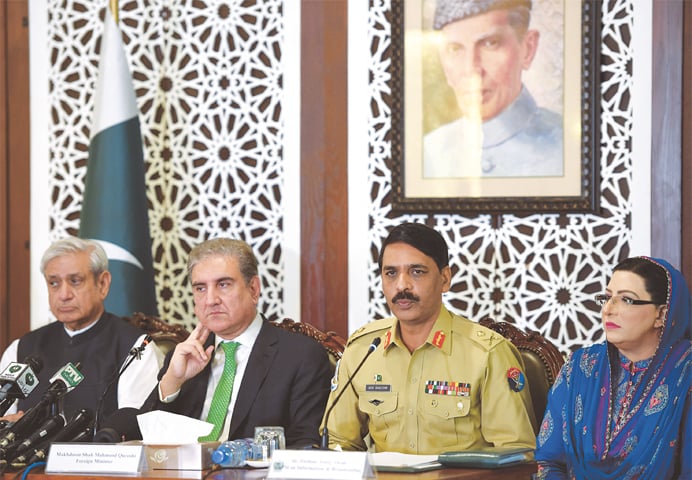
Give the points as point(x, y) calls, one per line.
point(114, 207)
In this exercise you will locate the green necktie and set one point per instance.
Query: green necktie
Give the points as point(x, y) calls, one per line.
point(222, 394)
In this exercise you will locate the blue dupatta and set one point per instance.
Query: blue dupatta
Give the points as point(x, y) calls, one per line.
point(578, 439)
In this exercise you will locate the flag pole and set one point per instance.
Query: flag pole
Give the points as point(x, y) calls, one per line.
point(114, 9)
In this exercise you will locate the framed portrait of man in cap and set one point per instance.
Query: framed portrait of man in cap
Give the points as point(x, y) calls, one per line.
point(493, 101)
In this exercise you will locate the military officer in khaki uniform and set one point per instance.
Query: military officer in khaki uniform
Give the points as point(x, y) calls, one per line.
point(438, 382)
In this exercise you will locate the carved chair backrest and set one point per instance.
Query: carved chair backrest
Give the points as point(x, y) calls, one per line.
point(542, 360)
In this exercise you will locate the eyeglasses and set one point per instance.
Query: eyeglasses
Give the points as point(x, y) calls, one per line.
point(604, 298)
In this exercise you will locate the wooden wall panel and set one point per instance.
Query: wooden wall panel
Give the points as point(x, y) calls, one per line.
point(324, 161)
point(3, 179)
point(15, 164)
point(666, 136)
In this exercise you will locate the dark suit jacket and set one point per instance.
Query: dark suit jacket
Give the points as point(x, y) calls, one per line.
point(286, 383)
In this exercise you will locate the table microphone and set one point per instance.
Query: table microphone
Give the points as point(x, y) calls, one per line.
point(73, 431)
point(63, 382)
point(45, 430)
point(19, 379)
point(135, 353)
point(325, 433)
point(119, 427)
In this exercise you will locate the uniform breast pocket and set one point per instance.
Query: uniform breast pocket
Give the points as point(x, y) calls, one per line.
point(444, 417)
point(379, 406)
point(446, 407)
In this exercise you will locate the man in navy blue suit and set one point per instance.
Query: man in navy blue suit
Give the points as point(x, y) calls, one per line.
point(282, 378)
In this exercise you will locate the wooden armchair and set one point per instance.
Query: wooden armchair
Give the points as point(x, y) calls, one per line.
point(166, 335)
point(542, 360)
point(331, 341)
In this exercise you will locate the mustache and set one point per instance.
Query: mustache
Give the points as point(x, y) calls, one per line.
point(405, 295)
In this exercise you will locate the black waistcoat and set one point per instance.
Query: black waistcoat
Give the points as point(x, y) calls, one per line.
point(100, 350)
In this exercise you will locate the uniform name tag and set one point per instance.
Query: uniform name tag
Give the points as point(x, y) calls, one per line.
point(378, 388)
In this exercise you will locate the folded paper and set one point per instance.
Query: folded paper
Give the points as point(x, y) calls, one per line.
point(166, 428)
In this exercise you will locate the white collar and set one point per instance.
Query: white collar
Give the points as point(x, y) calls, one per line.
point(246, 338)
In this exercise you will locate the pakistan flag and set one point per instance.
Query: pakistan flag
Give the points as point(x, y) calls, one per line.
point(114, 206)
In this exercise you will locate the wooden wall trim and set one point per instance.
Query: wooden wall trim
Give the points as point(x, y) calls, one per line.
point(15, 163)
point(324, 164)
point(666, 135)
point(3, 178)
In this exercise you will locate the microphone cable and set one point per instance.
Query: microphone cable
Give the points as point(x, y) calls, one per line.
point(324, 445)
point(136, 352)
point(24, 472)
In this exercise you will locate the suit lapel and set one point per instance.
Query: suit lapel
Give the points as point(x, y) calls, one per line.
point(258, 366)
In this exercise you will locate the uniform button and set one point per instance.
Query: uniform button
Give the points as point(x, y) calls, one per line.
point(414, 380)
point(377, 411)
point(446, 414)
point(434, 403)
point(412, 445)
point(410, 411)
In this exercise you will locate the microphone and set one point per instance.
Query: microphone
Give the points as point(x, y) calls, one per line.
point(25, 424)
point(119, 427)
point(73, 431)
point(64, 381)
point(136, 352)
point(19, 380)
point(325, 433)
point(47, 429)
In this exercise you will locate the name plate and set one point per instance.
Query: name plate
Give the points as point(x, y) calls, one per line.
point(94, 458)
point(319, 464)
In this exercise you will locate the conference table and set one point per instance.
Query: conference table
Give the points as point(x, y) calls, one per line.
point(519, 472)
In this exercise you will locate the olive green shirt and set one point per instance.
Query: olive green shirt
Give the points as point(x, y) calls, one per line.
point(452, 393)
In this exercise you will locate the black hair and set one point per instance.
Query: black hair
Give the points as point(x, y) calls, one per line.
point(421, 237)
point(655, 277)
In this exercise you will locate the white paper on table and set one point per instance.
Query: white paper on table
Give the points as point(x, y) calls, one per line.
point(396, 459)
point(166, 428)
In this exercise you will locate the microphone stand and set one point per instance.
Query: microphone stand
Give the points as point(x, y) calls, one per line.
point(136, 352)
point(324, 445)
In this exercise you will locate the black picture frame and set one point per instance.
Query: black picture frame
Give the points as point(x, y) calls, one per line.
point(585, 198)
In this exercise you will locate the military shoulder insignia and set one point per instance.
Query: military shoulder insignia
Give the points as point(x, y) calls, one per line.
point(485, 337)
point(516, 379)
point(371, 327)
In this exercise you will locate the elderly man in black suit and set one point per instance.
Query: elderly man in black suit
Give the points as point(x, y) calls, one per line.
point(279, 377)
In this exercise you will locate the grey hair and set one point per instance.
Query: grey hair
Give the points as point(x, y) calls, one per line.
point(98, 259)
point(225, 247)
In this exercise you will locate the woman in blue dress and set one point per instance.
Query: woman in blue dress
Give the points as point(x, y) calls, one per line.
point(621, 409)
